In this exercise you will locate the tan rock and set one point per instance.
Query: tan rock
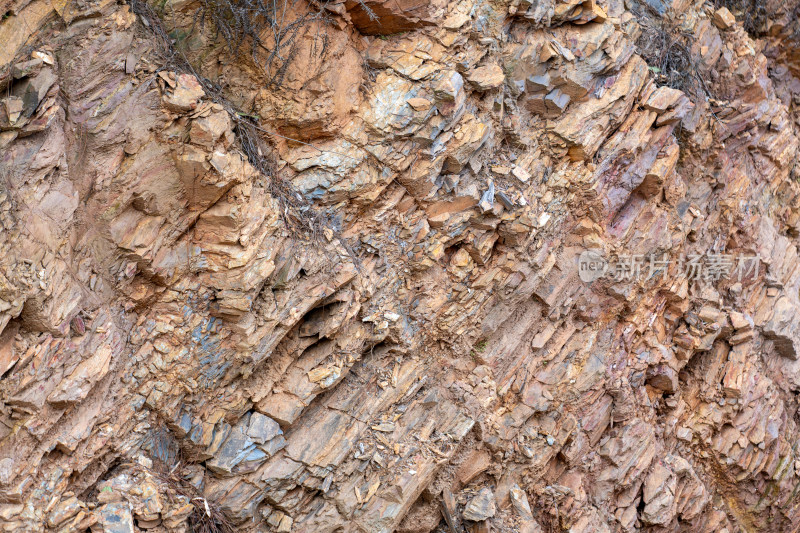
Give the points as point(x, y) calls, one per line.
point(456, 21)
point(186, 94)
point(662, 99)
point(663, 378)
point(487, 77)
point(659, 496)
point(419, 104)
point(741, 321)
point(481, 506)
point(207, 130)
point(723, 19)
point(79, 383)
point(474, 465)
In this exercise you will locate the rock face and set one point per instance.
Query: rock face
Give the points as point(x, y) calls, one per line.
point(355, 299)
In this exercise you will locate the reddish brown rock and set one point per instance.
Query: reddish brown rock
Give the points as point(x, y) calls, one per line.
point(375, 17)
point(347, 294)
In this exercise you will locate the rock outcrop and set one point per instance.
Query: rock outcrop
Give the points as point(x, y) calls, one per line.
point(353, 295)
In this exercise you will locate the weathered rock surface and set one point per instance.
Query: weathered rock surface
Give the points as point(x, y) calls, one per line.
point(481, 506)
point(353, 301)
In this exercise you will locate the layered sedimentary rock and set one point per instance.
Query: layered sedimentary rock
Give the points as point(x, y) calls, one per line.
point(390, 330)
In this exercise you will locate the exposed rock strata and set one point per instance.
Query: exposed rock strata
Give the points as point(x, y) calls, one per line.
point(174, 352)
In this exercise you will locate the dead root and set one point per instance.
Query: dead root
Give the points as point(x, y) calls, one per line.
point(664, 47)
point(299, 214)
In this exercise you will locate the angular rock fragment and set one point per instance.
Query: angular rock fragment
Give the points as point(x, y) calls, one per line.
point(115, 517)
point(79, 383)
point(185, 95)
point(723, 19)
point(782, 328)
point(663, 378)
point(486, 77)
point(481, 506)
